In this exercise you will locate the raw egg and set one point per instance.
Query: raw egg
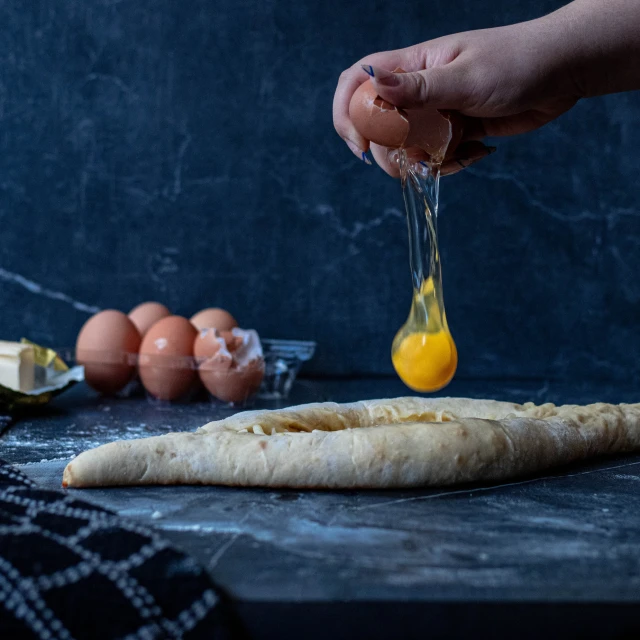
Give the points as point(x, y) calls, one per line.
point(214, 318)
point(106, 346)
point(231, 363)
point(145, 315)
point(423, 352)
point(166, 365)
point(426, 361)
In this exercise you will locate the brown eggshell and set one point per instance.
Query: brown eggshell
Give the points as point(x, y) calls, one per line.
point(377, 120)
point(430, 131)
point(214, 318)
point(381, 122)
point(231, 363)
point(232, 383)
point(207, 344)
point(457, 121)
point(145, 315)
point(232, 339)
point(105, 346)
point(166, 365)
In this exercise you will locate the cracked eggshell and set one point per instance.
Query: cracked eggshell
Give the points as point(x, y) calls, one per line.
point(433, 132)
point(380, 122)
point(209, 344)
point(376, 119)
point(237, 338)
point(105, 346)
point(166, 363)
point(235, 384)
point(233, 368)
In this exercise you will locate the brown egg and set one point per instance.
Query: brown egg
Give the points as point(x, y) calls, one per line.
point(233, 368)
point(380, 122)
point(232, 383)
point(106, 346)
point(376, 119)
point(145, 315)
point(214, 318)
point(166, 362)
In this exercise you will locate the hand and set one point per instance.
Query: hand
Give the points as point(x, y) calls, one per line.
point(506, 81)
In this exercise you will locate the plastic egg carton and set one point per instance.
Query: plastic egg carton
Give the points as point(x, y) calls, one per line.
point(184, 379)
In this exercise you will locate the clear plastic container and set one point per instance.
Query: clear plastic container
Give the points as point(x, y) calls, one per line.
point(283, 360)
point(182, 379)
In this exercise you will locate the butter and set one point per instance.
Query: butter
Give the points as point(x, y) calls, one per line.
point(17, 366)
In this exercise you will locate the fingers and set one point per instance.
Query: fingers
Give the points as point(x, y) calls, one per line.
point(444, 87)
point(465, 155)
point(473, 129)
point(349, 81)
point(386, 159)
point(524, 122)
point(389, 159)
point(515, 124)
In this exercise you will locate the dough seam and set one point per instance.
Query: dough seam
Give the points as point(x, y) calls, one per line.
point(370, 444)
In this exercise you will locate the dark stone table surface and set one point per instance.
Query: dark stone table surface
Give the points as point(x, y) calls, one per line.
point(557, 554)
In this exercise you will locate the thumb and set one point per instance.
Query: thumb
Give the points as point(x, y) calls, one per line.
point(439, 87)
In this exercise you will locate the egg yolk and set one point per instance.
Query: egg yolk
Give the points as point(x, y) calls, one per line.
point(423, 353)
point(426, 361)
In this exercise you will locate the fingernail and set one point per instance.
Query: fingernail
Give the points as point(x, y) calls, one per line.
point(357, 151)
point(369, 69)
point(382, 76)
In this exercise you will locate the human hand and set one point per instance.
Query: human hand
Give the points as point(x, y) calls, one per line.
point(505, 81)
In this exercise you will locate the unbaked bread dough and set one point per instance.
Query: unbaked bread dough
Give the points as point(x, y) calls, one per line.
point(403, 442)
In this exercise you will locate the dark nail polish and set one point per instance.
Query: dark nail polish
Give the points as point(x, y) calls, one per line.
point(369, 69)
point(365, 158)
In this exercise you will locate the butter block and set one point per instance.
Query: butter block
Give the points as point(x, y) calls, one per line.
point(17, 366)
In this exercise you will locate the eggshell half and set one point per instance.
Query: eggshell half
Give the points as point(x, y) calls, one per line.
point(233, 368)
point(232, 384)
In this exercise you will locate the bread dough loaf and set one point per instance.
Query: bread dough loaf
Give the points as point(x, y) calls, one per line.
point(403, 442)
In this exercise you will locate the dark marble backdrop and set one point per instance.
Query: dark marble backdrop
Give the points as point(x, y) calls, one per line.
point(184, 152)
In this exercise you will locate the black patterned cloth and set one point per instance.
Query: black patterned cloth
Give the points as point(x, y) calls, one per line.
point(69, 569)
